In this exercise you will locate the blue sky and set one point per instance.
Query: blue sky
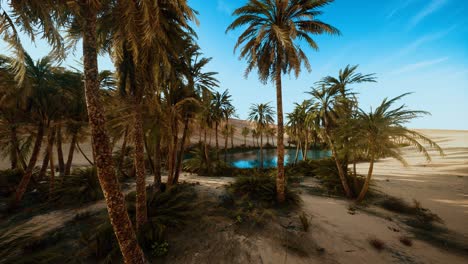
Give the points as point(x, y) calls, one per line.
point(418, 46)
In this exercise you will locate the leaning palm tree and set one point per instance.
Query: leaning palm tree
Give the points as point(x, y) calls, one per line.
point(81, 18)
point(262, 116)
point(270, 44)
point(381, 129)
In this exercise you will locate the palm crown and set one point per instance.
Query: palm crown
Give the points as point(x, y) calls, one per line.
point(273, 28)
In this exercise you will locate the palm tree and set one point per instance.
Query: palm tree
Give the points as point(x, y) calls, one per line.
point(35, 18)
point(270, 45)
point(381, 128)
point(221, 103)
point(262, 116)
point(245, 132)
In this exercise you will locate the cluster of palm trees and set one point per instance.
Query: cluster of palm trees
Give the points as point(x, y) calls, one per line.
point(332, 116)
point(159, 90)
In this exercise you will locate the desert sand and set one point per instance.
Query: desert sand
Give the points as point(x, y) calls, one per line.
point(440, 185)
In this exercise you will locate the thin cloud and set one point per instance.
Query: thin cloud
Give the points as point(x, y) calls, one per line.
point(432, 7)
point(421, 41)
point(418, 65)
point(398, 8)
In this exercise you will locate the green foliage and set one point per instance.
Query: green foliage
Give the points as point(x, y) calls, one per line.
point(251, 200)
point(172, 208)
point(160, 249)
point(261, 190)
point(80, 187)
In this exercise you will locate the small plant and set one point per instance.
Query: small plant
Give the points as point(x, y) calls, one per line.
point(376, 243)
point(160, 249)
point(238, 219)
point(406, 241)
point(304, 221)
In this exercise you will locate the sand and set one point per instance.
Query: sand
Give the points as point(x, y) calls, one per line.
point(440, 185)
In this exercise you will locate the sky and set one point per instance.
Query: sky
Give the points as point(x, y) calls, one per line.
point(418, 46)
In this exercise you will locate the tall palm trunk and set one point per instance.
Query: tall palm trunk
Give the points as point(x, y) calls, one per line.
point(47, 152)
point(181, 152)
point(123, 151)
point(207, 156)
point(173, 152)
point(115, 199)
point(365, 187)
point(217, 144)
point(50, 153)
point(139, 156)
point(298, 147)
point(61, 163)
point(71, 152)
point(157, 160)
point(280, 179)
point(343, 179)
point(225, 145)
point(14, 146)
point(306, 146)
point(23, 185)
point(261, 151)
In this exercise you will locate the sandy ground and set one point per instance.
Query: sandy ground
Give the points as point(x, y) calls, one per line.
point(440, 185)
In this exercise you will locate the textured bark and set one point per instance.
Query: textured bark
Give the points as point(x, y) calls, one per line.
point(225, 144)
point(173, 153)
point(365, 187)
point(207, 156)
point(157, 162)
point(23, 185)
point(139, 161)
point(123, 151)
point(14, 147)
point(181, 152)
point(45, 159)
point(61, 163)
point(108, 180)
point(343, 179)
point(71, 151)
point(50, 151)
point(280, 179)
point(261, 151)
point(148, 154)
point(217, 143)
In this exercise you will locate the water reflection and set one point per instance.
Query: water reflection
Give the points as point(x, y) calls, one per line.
point(251, 158)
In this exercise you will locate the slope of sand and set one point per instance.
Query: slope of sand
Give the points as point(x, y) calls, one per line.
point(440, 185)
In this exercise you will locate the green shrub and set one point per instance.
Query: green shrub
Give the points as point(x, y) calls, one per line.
point(262, 190)
point(80, 187)
point(175, 207)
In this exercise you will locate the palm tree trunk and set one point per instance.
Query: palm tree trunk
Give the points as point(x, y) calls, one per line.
point(181, 152)
point(344, 181)
point(157, 161)
point(108, 180)
point(365, 187)
point(217, 144)
point(61, 163)
point(225, 145)
point(71, 151)
point(261, 151)
point(148, 153)
point(232, 139)
point(50, 152)
point(14, 147)
point(23, 185)
point(47, 152)
point(280, 179)
point(207, 156)
point(173, 152)
point(123, 151)
point(298, 147)
point(139, 160)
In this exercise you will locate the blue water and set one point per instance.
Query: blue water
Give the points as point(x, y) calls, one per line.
point(251, 159)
